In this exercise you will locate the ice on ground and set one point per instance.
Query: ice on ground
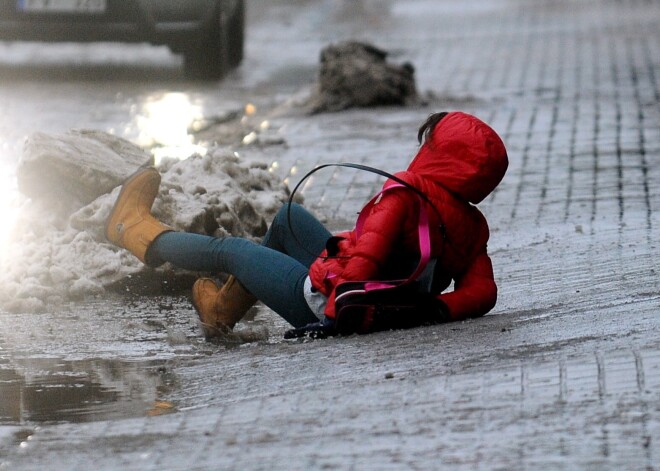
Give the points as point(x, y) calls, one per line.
point(58, 252)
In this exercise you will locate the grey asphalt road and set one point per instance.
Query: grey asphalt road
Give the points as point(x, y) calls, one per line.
point(563, 374)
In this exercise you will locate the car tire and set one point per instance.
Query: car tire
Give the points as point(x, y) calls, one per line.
point(221, 49)
point(236, 36)
point(209, 59)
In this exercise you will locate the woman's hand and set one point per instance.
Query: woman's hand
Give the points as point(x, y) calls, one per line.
point(316, 330)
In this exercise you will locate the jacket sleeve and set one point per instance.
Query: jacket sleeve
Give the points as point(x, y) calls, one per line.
point(475, 291)
point(382, 229)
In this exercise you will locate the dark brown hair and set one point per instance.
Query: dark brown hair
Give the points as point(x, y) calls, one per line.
point(426, 129)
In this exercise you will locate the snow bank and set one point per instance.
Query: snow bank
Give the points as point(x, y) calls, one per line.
point(58, 252)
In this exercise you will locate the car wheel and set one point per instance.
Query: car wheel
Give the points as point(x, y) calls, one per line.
point(236, 36)
point(209, 59)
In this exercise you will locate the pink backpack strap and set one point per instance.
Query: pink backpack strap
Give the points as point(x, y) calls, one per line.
point(423, 231)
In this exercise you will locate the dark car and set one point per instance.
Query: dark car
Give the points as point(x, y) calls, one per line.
point(209, 33)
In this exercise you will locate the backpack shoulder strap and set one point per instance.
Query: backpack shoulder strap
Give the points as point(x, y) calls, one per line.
point(423, 233)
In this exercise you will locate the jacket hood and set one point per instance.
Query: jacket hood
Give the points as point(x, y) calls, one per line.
point(464, 155)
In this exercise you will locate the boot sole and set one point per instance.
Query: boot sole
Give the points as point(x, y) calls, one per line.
point(124, 188)
point(209, 332)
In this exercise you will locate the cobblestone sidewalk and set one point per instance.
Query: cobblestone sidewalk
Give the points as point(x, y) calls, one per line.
point(564, 374)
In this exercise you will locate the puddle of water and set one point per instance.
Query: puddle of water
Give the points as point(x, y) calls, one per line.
point(47, 390)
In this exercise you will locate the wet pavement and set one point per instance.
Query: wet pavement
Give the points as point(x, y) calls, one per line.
point(563, 374)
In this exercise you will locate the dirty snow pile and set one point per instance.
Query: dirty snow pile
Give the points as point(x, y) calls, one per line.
point(58, 251)
point(357, 75)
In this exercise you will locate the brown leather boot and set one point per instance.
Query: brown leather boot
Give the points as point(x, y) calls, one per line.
point(219, 309)
point(130, 224)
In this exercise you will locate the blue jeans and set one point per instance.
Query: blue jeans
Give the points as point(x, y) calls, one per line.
point(274, 271)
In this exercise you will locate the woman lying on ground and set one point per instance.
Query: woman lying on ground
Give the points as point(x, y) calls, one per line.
point(460, 161)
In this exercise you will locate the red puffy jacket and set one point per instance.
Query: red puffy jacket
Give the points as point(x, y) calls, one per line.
point(458, 166)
